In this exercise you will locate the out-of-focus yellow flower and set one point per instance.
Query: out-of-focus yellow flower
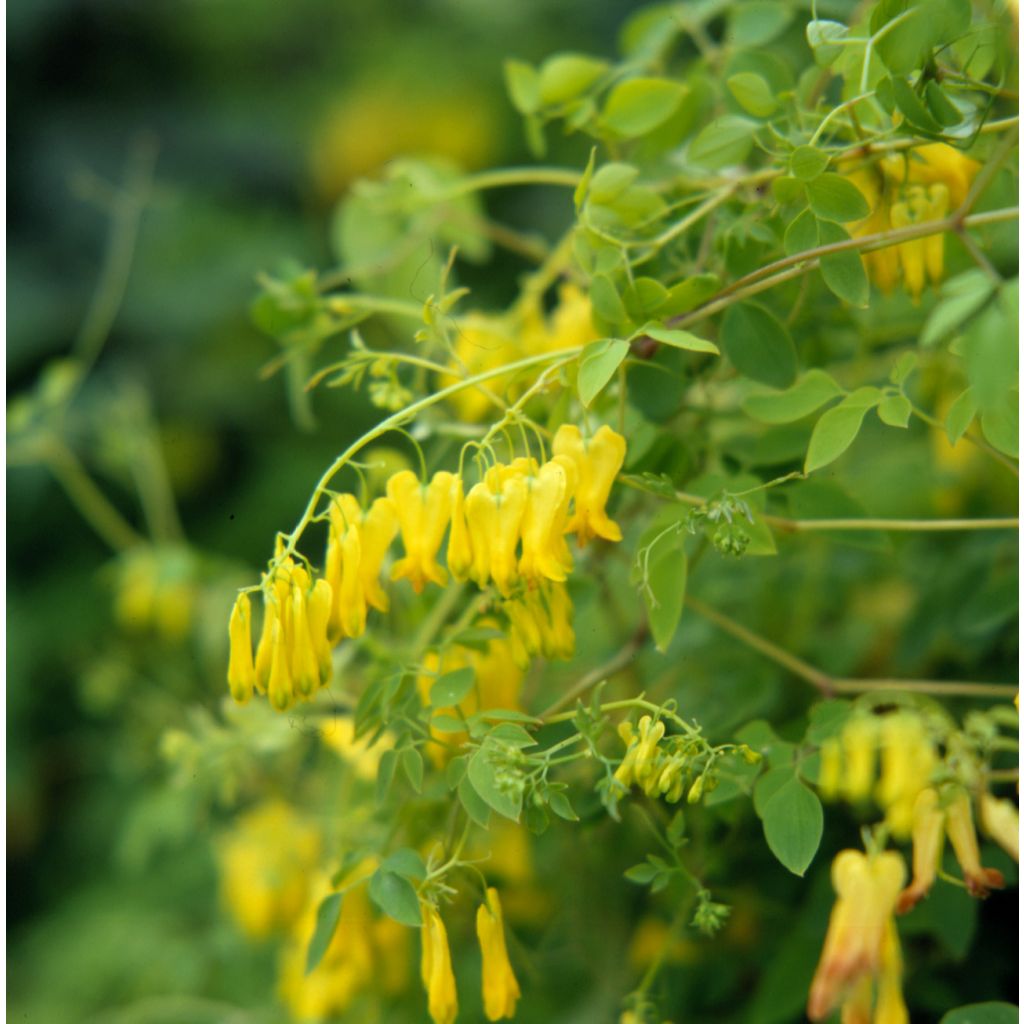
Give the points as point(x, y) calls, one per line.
point(653, 939)
point(339, 735)
point(423, 514)
point(156, 591)
point(365, 950)
point(241, 669)
point(436, 968)
point(907, 762)
point(485, 342)
point(500, 988)
point(598, 461)
point(265, 864)
point(929, 838)
point(861, 946)
point(1000, 820)
point(964, 840)
point(541, 623)
point(913, 187)
point(378, 121)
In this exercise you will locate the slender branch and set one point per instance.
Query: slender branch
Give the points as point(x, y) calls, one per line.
point(613, 666)
point(826, 684)
point(505, 177)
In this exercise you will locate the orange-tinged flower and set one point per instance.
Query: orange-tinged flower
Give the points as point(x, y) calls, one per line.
point(598, 462)
point(929, 838)
point(436, 968)
point(423, 513)
point(867, 888)
point(1001, 821)
point(500, 988)
point(964, 840)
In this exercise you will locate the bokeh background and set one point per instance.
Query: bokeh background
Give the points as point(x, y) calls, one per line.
point(237, 126)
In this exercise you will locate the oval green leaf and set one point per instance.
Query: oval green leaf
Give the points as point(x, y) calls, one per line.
point(793, 821)
point(758, 345)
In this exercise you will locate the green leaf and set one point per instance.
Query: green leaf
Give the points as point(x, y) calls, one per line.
point(770, 783)
point(664, 587)
point(396, 897)
point(909, 104)
point(905, 366)
point(450, 688)
point(481, 773)
point(327, 916)
point(793, 821)
point(1000, 424)
point(756, 22)
point(724, 142)
point(605, 299)
point(843, 272)
point(405, 862)
point(758, 345)
point(386, 773)
point(641, 874)
point(523, 85)
point(752, 93)
point(894, 411)
point(598, 363)
point(962, 297)
point(833, 197)
point(583, 187)
point(455, 771)
point(678, 339)
point(639, 105)
point(611, 181)
point(960, 415)
point(807, 162)
point(810, 393)
point(822, 37)
point(447, 723)
point(801, 234)
point(983, 1013)
point(688, 294)
point(474, 806)
point(787, 189)
point(565, 76)
point(412, 765)
point(826, 720)
point(559, 803)
point(941, 106)
point(836, 429)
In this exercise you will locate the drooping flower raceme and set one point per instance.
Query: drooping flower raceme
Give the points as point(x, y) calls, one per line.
point(500, 988)
point(436, 968)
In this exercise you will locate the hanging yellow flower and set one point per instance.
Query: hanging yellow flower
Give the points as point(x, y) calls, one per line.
point(598, 461)
point(920, 185)
point(861, 946)
point(500, 988)
point(423, 513)
point(436, 968)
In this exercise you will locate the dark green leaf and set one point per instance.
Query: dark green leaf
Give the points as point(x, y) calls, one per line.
point(724, 142)
point(793, 821)
point(811, 392)
point(478, 811)
point(327, 916)
point(836, 429)
point(482, 774)
point(406, 862)
point(687, 295)
point(983, 1013)
point(833, 197)
point(843, 272)
point(758, 345)
point(450, 688)
point(396, 897)
point(910, 106)
point(801, 234)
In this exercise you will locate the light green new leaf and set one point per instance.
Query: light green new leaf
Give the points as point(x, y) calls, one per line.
point(565, 76)
point(756, 22)
point(450, 688)
point(962, 297)
point(894, 411)
point(606, 300)
point(523, 84)
point(327, 916)
point(687, 295)
point(726, 141)
point(807, 162)
point(823, 37)
point(961, 412)
point(838, 427)
point(598, 362)
point(793, 821)
point(833, 197)
point(810, 393)
point(801, 234)
point(678, 339)
point(611, 181)
point(752, 93)
point(639, 105)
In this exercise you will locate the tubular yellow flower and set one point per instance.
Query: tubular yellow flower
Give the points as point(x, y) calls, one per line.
point(908, 760)
point(558, 640)
point(423, 514)
point(831, 773)
point(460, 549)
point(481, 524)
point(436, 968)
point(511, 503)
point(1000, 820)
point(929, 838)
point(500, 988)
point(545, 553)
point(858, 758)
point(598, 461)
point(304, 665)
point(279, 688)
point(377, 530)
point(241, 669)
point(867, 889)
point(964, 840)
point(265, 647)
point(318, 611)
point(890, 1008)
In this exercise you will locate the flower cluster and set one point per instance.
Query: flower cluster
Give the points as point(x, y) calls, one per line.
point(902, 189)
point(500, 988)
point(508, 531)
point(908, 758)
point(861, 953)
point(947, 812)
point(485, 342)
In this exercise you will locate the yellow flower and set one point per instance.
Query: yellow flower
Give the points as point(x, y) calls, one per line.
point(423, 513)
point(436, 968)
point(929, 838)
point(902, 189)
point(541, 623)
point(964, 840)
point(500, 988)
point(241, 669)
point(460, 548)
point(598, 462)
point(908, 761)
point(494, 512)
point(545, 553)
point(265, 862)
point(1001, 821)
point(340, 735)
point(861, 942)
